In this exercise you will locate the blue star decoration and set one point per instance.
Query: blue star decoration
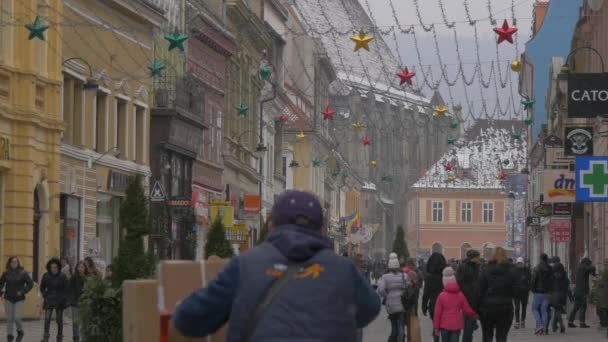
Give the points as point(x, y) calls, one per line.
point(156, 68)
point(176, 40)
point(316, 163)
point(242, 109)
point(528, 103)
point(36, 29)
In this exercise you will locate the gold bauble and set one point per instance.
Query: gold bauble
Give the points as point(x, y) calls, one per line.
point(374, 163)
point(516, 66)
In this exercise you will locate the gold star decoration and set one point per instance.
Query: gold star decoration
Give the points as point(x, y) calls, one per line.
point(451, 178)
point(440, 110)
point(358, 126)
point(361, 40)
point(301, 135)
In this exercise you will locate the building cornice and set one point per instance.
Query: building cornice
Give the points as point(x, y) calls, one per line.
point(87, 156)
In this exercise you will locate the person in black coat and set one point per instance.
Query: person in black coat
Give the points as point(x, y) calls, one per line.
point(559, 296)
point(433, 285)
point(16, 284)
point(496, 290)
point(523, 277)
point(76, 287)
point(581, 292)
point(467, 276)
point(542, 278)
point(54, 289)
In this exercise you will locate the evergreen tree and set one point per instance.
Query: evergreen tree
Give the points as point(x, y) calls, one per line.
point(400, 245)
point(216, 243)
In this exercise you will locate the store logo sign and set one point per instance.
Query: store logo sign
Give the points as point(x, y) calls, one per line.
point(579, 141)
point(587, 95)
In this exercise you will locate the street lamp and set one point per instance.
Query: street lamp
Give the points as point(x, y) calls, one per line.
point(90, 83)
point(115, 152)
point(562, 77)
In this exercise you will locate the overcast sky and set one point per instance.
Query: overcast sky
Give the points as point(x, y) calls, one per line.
point(455, 11)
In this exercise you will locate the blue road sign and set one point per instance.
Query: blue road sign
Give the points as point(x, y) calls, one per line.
point(592, 179)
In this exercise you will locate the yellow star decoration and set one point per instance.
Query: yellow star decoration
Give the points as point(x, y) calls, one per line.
point(441, 110)
point(361, 40)
point(374, 163)
point(358, 126)
point(301, 135)
point(451, 178)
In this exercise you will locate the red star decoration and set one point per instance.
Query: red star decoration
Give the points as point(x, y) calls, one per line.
point(283, 118)
point(502, 176)
point(406, 76)
point(366, 141)
point(328, 113)
point(448, 166)
point(505, 32)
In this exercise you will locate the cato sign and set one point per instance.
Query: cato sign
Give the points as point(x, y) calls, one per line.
point(592, 179)
point(587, 95)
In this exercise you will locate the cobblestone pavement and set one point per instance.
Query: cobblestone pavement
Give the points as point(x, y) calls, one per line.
point(34, 329)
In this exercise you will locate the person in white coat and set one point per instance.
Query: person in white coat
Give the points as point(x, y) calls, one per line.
point(391, 287)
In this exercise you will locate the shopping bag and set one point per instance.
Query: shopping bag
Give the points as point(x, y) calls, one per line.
point(413, 329)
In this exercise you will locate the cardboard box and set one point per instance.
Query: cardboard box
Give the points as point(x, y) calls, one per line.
point(140, 315)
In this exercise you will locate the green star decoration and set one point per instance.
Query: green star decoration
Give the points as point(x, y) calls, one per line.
point(265, 72)
point(516, 135)
point(335, 173)
point(36, 29)
point(316, 162)
point(176, 40)
point(242, 109)
point(452, 140)
point(528, 103)
point(528, 121)
point(156, 68)
point(387, 178)
point(453, 124)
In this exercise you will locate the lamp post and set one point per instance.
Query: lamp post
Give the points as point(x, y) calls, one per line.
point(562, 77)
point(512, 202)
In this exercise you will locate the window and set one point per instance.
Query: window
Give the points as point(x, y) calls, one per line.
point(121, 127)
point(70, 227)
point(437, 211)
point(465, 215)
point(73, 110)
point(284, 167)
point(101, 117)
point(210, 139)
point(177, 175)
point(488, 212)
point(218, 141)
point(140, 128)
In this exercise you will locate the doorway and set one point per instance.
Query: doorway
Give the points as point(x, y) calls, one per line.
point(36, 238)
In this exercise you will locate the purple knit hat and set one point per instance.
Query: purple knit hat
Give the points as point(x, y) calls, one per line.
point(298, 208)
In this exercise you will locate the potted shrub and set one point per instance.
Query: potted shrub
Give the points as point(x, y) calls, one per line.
point(599, 298)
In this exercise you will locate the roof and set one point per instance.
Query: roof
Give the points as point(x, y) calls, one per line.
point(478, 162)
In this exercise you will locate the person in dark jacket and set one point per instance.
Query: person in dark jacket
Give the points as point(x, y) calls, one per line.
point(542, 278)
point(433, 285)
point(559, 295)
point(16, 284)
point(581, 293)
point(523, 277)
point(467, 276)
point(54, 289)
point(77, 282)
point(300, 309)
point(496, 290)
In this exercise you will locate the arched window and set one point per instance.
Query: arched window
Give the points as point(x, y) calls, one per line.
point(463, 250)
point(437, 248)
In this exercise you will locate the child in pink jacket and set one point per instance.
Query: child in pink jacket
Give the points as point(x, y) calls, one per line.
point(449, 307)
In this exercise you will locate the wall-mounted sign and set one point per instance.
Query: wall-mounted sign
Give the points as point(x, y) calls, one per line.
point(182, 203)
point(562, 209)
point(560, 229)
point(118, 181)
point(5, 148)
point(592, 179)
point(587, 95)
point(558, 186)
point(224, 212)
point(579, 141)
point(543, 210)
point(553, 141)
point(251, 203)
point(157, 194)
point(533, 221)
point(237, 233)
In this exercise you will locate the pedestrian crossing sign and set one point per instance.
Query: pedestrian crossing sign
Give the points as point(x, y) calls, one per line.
point(157, 194)
point(592, 179)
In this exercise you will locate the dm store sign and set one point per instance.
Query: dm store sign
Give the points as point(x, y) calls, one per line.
point(559, 186)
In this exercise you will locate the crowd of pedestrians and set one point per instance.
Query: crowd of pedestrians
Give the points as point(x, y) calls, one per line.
point(61, 288)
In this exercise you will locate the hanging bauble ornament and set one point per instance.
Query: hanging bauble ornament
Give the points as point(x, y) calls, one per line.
point(328, 113)
point(283, 118)
point(387, 178)
point(358, 126)
point(316, 163)
point(528, 121)
point(265, 72)
point(301, 135)
point(516, 66)
point(451, 178)
point(452, 140)
point(440, 110)
point(361, 40)
point(406, 76)
point(36, 29)
point(373, 163)
point(156, 68)
point(502, 176)
point(176, 40)
point(448, 166)
point(294, 164)
point(506, 162)
point(505, 33)
point(516, 135)
point(528, 103)
point(242, 109)
point(454, 124)
point(335, 173)
point(366, 141)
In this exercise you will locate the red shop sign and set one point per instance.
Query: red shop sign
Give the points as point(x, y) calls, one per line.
point(561, 229)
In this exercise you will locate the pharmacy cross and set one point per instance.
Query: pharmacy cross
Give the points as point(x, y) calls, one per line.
point(596, 178)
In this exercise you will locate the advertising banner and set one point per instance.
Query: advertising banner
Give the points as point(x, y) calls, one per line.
point(560, 229)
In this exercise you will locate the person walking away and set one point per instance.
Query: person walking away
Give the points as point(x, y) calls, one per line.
point(280, 289)
point(66, 268)
point(416, 282)
point(542, 278)
point(467, 277)
point(16, 284)
point(391, 287)
point(450, 307)
point(54, 290)
point(559, 295)
point(581, 293)
point(523, 276)
point(362, 268)
point(75, 291)
point(91, 267)
point(433, 285)
point(496, 288)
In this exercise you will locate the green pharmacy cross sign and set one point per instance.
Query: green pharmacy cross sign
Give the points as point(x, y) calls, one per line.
point(592, 179)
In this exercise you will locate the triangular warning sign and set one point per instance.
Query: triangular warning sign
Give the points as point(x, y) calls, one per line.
point(157, 194)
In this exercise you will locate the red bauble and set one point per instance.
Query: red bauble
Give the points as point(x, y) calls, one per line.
point(328, 113)
point(406, 76)
point(283, 118)
point(505, 32)
point(366, 141)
